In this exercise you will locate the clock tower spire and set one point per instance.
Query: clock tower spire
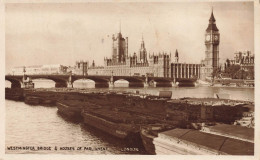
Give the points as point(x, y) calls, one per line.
point(211, 61)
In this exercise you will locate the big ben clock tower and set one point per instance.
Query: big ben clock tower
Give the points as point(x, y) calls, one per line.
point(211, 61)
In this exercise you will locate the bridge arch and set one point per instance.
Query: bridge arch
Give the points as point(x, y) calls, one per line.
point(59, 82)
point(43, 83)
point(15, 83)
point(121, 83)
point(100, 82)
point(84, 83)
point(160, 82)
point(8, 84)
point(133, 81)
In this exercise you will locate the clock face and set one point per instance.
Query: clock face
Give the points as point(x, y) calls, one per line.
point(208, 37)
point(216, 37)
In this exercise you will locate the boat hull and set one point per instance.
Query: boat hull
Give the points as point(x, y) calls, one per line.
point(32, 100)
point(70, 112)
point(147, 141)
point(122, 131)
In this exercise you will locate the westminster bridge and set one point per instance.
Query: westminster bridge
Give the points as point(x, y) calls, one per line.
point(20, 81)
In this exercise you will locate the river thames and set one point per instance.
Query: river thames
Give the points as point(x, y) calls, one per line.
point(39, 126)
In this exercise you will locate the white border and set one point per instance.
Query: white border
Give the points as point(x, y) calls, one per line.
point(126, 157)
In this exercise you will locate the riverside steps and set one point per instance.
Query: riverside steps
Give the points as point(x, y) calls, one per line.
point(125, 114)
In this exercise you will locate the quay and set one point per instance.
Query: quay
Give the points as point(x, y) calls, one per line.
point(126, 115)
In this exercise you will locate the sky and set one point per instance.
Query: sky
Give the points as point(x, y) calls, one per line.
point(62, 33)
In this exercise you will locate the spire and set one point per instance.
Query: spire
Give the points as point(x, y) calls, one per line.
point(212, 22)
point(120, 26)
point(212, 18)
point(176, 53)
point(142, 43)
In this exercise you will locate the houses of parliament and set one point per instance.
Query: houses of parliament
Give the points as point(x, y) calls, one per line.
point(159, 64)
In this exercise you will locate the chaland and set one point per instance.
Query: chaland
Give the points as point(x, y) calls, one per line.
point(32, 148)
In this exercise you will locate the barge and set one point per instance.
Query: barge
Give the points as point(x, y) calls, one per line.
point(193, 142)
point(119, 130)
point(32, 100)
point(149, 133)
point(70, 108)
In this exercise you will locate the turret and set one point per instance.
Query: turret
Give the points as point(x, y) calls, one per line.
point(176, 57)
point(143, 53)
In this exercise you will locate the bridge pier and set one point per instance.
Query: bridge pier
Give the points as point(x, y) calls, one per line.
point(146, 84)
point(111, 84)
point(69, 85)
point(173, 83)
point(152, 83)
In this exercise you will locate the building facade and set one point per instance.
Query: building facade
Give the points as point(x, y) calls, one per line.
point(245, 59)
point(212, 38)
point(80, 68)
point(123, 64)
point(142, 64)
point(183, 70)
point(40, 69)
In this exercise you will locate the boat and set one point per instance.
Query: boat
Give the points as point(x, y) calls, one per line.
point(32, 100)
point(122, 114)
point(149, 132)
point(70, 108)
point(47, 102)
point(180, 141)
point(119, 130)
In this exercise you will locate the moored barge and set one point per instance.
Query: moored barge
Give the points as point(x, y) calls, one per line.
point(32, 100)
point(70, 108)
point(149, 133)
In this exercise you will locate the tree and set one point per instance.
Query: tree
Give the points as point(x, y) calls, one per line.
point(251, 73)
point(232, 70)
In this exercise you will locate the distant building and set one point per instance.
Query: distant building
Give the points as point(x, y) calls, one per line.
point(244, 59)
point(123, 64)
point(212, 38)
point(81, 68)
point(40, 69)
point(183, 70)
point(142, 64)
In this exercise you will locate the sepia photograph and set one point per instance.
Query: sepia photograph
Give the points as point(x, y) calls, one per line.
point(130, 78)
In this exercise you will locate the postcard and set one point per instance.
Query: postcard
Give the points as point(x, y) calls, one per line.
point(130, 79)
